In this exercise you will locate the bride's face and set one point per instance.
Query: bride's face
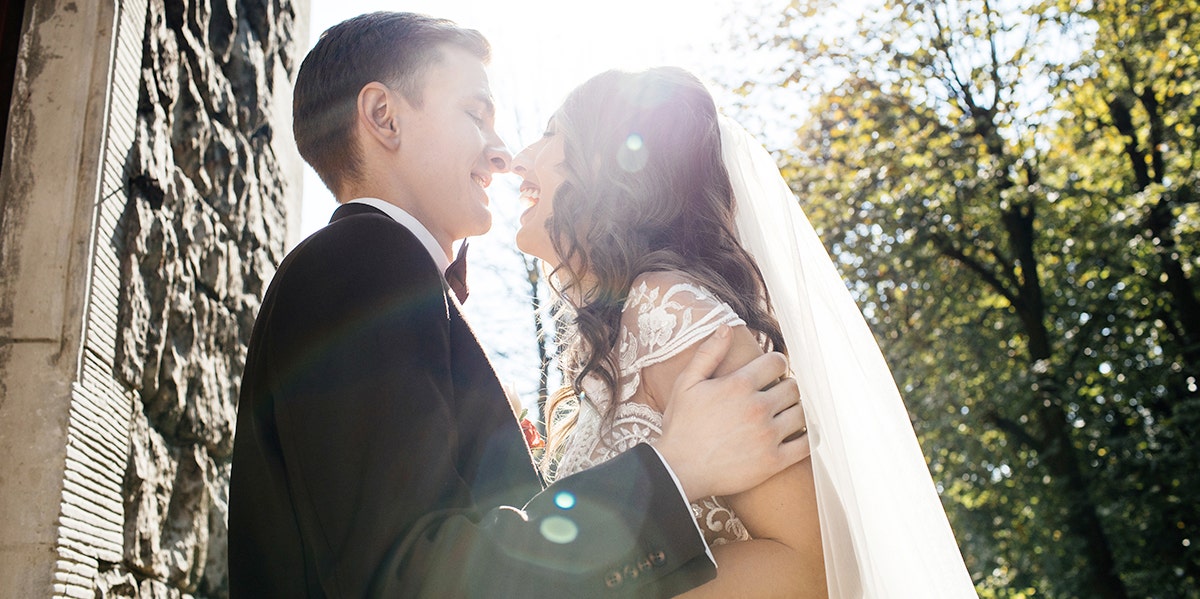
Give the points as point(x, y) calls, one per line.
point(540, 165)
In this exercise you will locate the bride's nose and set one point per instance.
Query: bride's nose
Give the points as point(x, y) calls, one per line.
point(520, 164)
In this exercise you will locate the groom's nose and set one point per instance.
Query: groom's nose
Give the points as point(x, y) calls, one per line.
point(498, 154)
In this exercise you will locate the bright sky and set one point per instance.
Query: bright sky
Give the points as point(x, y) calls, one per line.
point(541, 49)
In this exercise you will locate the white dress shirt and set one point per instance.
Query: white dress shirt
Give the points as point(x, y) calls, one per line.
point(411, 223)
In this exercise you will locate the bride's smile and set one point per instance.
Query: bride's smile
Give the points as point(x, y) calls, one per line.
point(540, 167)
point(530, 194)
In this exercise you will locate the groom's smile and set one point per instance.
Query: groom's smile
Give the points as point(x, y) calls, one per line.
point(449, 148)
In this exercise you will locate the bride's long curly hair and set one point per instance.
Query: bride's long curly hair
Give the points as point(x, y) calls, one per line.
point(645, 190)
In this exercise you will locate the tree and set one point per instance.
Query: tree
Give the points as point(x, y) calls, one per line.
point(544, 334)
point(1010, 188)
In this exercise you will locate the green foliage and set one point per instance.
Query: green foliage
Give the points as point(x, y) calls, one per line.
point(1011, 191)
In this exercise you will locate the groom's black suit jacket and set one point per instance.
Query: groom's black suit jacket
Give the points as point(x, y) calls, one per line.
point(375, 451)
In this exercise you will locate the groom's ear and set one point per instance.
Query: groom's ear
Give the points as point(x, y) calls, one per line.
point(378, 114)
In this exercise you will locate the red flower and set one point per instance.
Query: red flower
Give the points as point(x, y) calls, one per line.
point(532, 438)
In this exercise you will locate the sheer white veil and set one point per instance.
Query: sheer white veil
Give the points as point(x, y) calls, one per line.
point(884, 531)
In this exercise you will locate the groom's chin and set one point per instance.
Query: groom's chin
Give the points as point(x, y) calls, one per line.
point(481, 222)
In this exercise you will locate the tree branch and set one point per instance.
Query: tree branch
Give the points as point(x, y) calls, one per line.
point(1015, 430)
point(949, 249)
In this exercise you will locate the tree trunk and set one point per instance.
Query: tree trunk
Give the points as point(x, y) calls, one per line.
point(1061, 456)
point(539, 328)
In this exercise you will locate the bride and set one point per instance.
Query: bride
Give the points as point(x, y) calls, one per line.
point(661, 223)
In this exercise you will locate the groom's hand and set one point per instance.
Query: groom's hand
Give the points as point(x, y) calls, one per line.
point(724, 435)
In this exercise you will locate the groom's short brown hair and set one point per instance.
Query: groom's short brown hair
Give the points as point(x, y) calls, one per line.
point(393, 48)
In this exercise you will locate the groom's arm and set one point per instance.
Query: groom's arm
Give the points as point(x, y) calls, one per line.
point(622, 528)
point(727, 434)
point(619, 529)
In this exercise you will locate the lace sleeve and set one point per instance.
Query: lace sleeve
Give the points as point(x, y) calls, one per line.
point(665, 314)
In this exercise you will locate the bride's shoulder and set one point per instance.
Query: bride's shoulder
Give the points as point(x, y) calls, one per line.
point(662, 285)
point(667, 292)
point(665, 315)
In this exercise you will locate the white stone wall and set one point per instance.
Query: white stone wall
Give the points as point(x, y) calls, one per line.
point(149, 183)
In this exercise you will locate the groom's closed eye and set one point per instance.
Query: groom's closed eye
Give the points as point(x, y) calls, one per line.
point(482, 107)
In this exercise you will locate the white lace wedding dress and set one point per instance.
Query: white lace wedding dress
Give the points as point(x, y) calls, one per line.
point(666, 313)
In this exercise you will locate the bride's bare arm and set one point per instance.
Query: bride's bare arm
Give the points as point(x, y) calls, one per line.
point(785, 558)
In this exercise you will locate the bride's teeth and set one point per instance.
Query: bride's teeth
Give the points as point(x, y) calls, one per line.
point(529, 197)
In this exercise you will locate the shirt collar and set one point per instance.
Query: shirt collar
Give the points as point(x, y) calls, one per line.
point(411, 223)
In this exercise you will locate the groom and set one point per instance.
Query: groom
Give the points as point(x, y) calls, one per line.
point(375, 451)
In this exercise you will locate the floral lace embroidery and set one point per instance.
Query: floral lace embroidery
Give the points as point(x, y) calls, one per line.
point(718, 523)
point(665, 314)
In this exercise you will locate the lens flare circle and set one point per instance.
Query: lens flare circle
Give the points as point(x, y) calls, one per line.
point(565, 500)
point(558, 529)
point(632, 155)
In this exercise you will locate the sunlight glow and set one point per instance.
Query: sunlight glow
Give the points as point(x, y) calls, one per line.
point(541, 49)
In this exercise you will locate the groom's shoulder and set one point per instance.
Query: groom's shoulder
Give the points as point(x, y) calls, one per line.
point(360, 224)
point(363, 234)
point(366, 244)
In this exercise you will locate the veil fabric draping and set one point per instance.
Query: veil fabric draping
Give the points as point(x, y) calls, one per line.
point(884, 530)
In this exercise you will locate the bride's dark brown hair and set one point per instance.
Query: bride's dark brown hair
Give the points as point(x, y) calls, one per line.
point(645, 190)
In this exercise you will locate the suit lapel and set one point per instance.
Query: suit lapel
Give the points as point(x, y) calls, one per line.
point(492, 456)
point(495, 458)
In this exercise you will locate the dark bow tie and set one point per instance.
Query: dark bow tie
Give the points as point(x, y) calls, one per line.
point(456, 274)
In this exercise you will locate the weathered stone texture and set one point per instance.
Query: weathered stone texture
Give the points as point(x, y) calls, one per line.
point(198, 241)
